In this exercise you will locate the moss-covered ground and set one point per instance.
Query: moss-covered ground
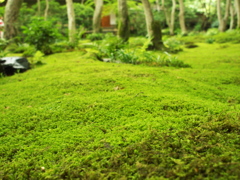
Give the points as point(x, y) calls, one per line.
point(76, 118)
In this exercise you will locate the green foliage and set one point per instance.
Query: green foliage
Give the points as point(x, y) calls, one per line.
point(171, 61)
point(109, 45)
point(84, 15)
point(124, 56)
point(36, 59)
point(212, 32)
point(135, 52)
point(2, 11)
point(210, 40)
point(3, 54)
point(29, 51)
point(95, 36)
point(229, 36)
point(193, 37)
point(211, 36)
point(25, 49)
point(17, 48)
point(41, 34)
point(81, 32)
point(138, 28)
point(173, 45)
point(137, 41)
point(3, 44)
point(25, 15)
point(197, 27)
point(162, 59)
point(64, 46)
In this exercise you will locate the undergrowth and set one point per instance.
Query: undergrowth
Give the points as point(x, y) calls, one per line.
point(114, 50)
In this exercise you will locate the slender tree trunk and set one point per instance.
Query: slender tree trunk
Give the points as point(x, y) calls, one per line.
point(158, 6)
point(172, 20)
point(46, 10)
point(219, 14)
point(166, 13)
point(223, 20)
point(170, 16)
point(238, 12)
point(182, 18)
point(71, 21)
point(97, 16)
point(153, 27)
point(11, 17)
point(39, 7)
point(232, 14)
point(123, 23)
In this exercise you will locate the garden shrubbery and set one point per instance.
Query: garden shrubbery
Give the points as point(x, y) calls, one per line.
point(173, 45)
point(232, 36)
point(114, 50)
point(95, 36)
point(40, 34)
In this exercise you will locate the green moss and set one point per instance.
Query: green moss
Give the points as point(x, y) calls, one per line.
point(85, 119)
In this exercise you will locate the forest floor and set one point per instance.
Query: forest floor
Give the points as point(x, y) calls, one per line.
point(76, 118)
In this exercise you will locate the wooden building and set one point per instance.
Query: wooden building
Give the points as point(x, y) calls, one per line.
point(109, 23)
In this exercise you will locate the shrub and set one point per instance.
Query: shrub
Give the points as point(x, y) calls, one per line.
point(137, 41)
point(173, 45)
point(3, 44)
point(116, 51)
point(212, 32)
point(81, 32)
point(36, 59)
point(138, 28)
point(83, 15)
point(41, 34)
point(29, 51)
point(95, 36)
point(3, 54)
point(210, 40)
point(124, 56)
point(228, 36)
point(109, 46)
point(26, 49)
point(192, 38)
point(165, 59)
point(63, 46)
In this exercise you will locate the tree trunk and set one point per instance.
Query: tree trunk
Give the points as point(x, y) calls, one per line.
point(158, 6)
point(238, 13)
point(39, 7)
point(97, 16)
point(166, 13)
point(172, 20)
point(223, 20)
point(182, 18)
point(232, 14)
point(123, 23)
point(71, 21)
point(170, 16)
point(46, 10)
point(153, 27)
point(11, 17)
